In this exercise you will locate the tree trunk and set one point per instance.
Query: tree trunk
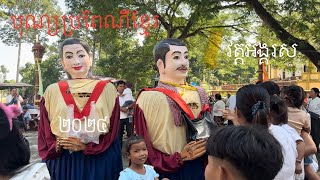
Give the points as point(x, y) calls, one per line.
point(18, 63)
point(303, 46)
point(93, 55)
point(99, 51)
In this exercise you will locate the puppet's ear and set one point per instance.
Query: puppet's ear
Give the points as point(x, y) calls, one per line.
point(160, 66)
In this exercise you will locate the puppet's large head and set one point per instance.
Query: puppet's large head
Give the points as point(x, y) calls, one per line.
point(171, 56)
point(14, 151)
point(75, 58)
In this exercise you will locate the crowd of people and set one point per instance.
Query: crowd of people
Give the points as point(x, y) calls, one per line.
point(173, 131)
point(23, 104)
point(288, 114)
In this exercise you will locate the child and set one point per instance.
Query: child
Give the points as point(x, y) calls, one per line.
point(243, 152)
point(137, 153)
point(26, 116)
point(279, 116)
point(298, 119)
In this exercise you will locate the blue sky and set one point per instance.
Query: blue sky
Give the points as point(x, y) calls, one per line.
point(9, 54)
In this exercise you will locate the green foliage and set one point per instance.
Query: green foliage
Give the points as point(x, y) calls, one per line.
point(5, 4)
point(11, 36)
point(122, 57)
point(132, 62)
point(28, 74)
point(51, 70)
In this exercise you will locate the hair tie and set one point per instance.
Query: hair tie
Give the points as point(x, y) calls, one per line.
point(257, 106)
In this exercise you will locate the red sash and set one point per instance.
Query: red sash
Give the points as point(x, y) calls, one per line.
point(177, 98)
point(68, 98)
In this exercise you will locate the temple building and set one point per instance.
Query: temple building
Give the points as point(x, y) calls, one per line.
point(306, 75)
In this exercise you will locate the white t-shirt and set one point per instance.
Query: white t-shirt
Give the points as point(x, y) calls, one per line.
point(314, 105)
point(127, 91)
point(33, 171)
point(289, 151)
point(232, 102)
point(19, 100)
point(294, 134)
point(122, 100)
point(218, 105)
point(129, 174)
point(296, 137)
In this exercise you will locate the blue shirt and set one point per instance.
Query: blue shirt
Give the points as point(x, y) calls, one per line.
point(27, 116)
point(129, 174)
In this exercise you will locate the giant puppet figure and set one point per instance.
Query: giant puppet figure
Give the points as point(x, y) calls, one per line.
point(79, 119)
point(159, 119)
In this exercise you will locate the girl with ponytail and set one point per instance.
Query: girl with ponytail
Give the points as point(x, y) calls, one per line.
point(253, 108)
point(252, 105)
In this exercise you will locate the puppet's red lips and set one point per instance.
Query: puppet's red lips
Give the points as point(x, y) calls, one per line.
point(77, 68)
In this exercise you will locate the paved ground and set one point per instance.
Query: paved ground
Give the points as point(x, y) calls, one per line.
point(32, 137)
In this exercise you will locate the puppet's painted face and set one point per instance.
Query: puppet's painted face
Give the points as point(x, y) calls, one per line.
point(177, 63)
point(76, 61)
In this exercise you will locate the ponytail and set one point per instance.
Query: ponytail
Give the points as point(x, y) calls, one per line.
point(253, 102)
point(260, 114)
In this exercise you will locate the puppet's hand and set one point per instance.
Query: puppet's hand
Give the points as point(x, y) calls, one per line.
point(193, 150)
point(72, 144)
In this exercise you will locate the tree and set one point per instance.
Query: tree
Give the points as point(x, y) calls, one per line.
point(5, 4)
point(128, 59)
point(51, 70)
point(303, 46)
point(11, 36)
point(4, 71)
point(28, 73)
point(193, 21)
point(197, 20)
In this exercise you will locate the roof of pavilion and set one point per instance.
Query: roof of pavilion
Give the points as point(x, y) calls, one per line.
point(14, 85)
